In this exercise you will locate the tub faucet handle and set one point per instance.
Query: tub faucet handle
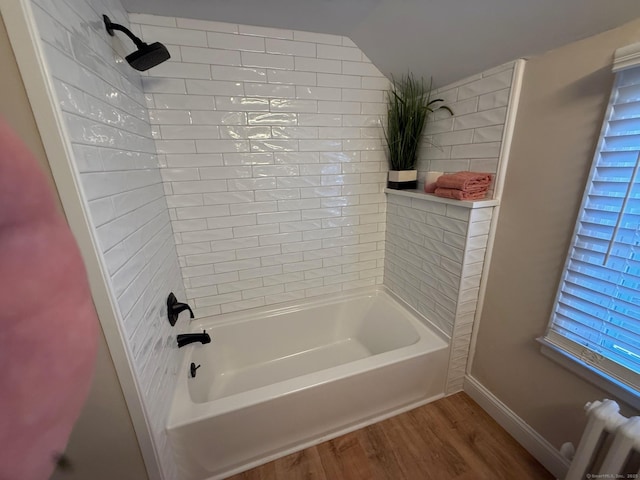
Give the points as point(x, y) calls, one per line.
point(174, 308)
point(193, 368)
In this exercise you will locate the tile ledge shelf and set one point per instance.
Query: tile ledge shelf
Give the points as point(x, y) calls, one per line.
point(419, 194)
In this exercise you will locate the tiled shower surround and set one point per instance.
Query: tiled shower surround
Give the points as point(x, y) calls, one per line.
point(271, 153)
point(268, 181)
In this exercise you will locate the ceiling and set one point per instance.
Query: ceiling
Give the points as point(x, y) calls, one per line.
point(445, 39)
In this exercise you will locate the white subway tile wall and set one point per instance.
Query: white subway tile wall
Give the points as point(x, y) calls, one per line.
point(472, 138)
point(475, 247)
point(422, 265)
point(103, 106)
point(271, 151)
point(434, 260)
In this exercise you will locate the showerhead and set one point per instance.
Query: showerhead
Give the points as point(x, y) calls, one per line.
point(147, 56)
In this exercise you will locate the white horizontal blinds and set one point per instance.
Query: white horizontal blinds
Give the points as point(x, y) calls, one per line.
point(597, 312)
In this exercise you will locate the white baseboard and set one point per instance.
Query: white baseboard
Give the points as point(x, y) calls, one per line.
point(531, 440)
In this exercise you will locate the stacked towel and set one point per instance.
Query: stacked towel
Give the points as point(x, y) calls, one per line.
point(430, 180)
point(463, 185)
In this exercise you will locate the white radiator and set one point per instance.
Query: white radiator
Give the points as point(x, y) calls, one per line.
point(609, 443)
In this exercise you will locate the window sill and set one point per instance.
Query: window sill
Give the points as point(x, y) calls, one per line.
point(419, 194)
point(592, 375)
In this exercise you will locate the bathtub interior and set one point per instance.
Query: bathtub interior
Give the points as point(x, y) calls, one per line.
point(286, 343)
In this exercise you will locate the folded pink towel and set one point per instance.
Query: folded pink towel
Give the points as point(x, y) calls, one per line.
point(466, 181)
point(430, 187)
point(460, 194)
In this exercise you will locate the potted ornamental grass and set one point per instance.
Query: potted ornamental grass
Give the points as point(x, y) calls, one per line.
point(409, 105)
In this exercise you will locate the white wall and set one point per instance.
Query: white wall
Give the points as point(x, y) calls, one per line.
point(434, 259)
point(431, 248)
point(106, 118)
point(272, 160)
point(470, 139)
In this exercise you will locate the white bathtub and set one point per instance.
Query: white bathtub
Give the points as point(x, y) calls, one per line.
point(274, 381)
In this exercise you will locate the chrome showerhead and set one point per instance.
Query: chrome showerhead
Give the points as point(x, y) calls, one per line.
point(147, 56)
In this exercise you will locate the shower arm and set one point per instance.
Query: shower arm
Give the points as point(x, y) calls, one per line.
point(115, 26)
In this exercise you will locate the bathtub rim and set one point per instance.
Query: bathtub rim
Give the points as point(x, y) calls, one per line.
point(185, 411)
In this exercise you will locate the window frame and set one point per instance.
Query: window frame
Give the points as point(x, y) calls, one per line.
point(624, 58)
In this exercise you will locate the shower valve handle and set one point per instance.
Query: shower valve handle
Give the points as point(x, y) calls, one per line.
point(174, 308)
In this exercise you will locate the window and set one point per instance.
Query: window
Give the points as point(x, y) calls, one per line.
point(596, 315)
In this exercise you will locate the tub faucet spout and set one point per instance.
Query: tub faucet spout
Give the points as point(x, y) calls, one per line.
point(187, 338)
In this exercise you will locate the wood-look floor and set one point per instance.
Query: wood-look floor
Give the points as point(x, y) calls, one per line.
point(452, 438)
